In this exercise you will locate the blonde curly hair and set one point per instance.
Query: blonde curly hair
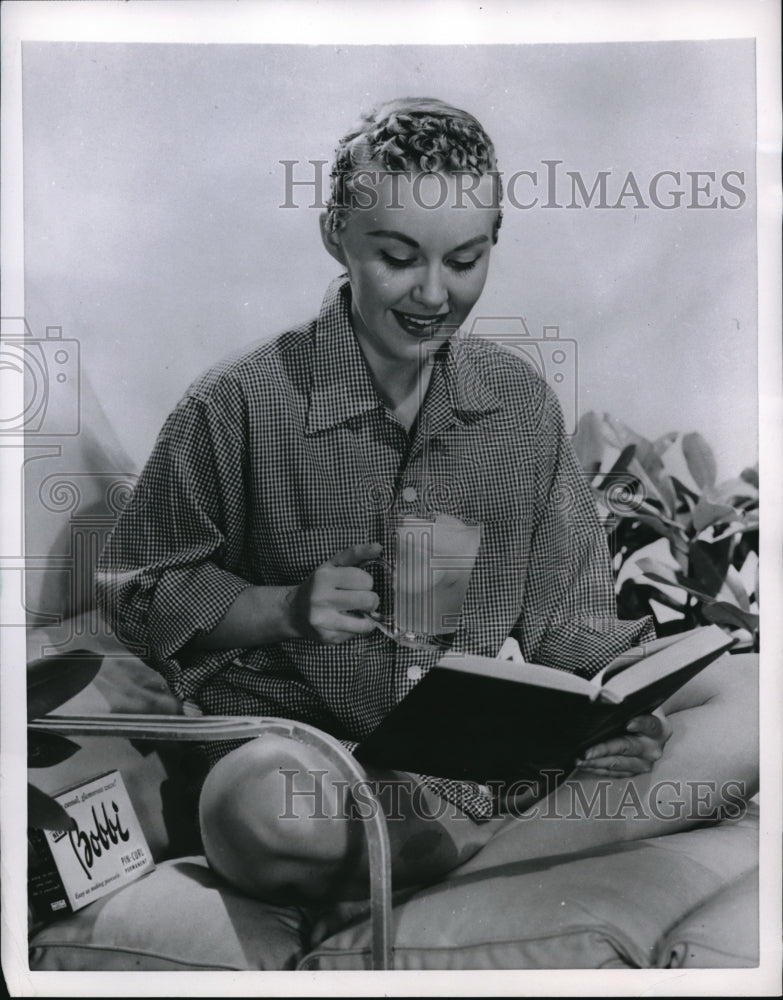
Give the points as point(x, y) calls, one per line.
point(413, 135)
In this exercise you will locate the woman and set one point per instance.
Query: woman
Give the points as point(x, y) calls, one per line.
point(244, 559)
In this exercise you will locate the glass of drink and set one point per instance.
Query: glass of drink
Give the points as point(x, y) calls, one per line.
point(433, 563)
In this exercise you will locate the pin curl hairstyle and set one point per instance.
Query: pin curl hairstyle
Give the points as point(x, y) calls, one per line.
point(410, 135)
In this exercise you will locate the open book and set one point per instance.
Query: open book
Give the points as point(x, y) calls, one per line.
point(483, 719)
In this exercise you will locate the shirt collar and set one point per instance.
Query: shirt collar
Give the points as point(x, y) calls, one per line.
point(341, 387)
point(469, 394)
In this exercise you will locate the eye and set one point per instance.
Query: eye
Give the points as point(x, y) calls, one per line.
point(398, 262)
point(463, 266)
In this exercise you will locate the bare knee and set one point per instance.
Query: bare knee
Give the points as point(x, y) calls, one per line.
point(733, 678)
point(273, 822)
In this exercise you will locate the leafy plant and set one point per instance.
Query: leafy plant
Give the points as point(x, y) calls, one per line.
point(51, 681)
point(685, 547)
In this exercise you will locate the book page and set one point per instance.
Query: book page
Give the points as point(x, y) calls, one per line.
point(524, 673)
point(634, 654)
point(700, 645)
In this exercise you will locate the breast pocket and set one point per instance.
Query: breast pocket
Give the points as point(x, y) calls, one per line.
point(480, 476)
point(289, 557)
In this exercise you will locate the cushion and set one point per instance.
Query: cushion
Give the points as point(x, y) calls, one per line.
point(606, 909)
point(180, 916)
point(665, 901)
point(724, 933)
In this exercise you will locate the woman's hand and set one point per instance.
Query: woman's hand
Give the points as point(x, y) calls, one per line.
point(323, 607)
point(634, 752)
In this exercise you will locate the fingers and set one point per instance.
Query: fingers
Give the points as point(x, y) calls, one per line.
point(355, 555)
point(616, 767)
point(348, 578)
point(338, 628)
point(354, 600)
point(626, 746)
point(330, 605)
point(622, 756)
point(648, 725)
point(344, 589)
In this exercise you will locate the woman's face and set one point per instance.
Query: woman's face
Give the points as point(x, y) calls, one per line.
point(417, 258)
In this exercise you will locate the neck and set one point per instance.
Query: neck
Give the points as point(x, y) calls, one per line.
point(401, 385)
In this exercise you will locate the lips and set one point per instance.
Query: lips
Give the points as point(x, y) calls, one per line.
point(420, 326)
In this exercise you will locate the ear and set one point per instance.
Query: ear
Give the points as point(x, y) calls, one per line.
point(331, 239)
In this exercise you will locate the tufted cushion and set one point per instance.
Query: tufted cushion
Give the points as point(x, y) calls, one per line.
point(179, 917)
point(724, 933)
point(657, 902)
point(607, 909)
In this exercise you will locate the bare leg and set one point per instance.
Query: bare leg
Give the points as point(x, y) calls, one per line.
point(710, 761)
point(276, 820)
point(278, 823)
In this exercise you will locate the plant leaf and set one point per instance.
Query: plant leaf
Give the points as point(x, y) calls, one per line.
point(662, 444)
point(665, 598)
point(661, 570)
point(751, 475)
point(700, 460)
point(657, 485)
point(733, 490)
point(667, 492)
point(623, 460)
point(737, 528)
point(694, 587)
point(723, 613)
point(48, 749)
point(749, 573)
point(734, 584)
point(44, 813)
point(683, 491)
point(677, 544)
point(53, 680)
point(684, 582)
point(681, 583)
point(706, 513)
point(589, 442)
point(708, 565)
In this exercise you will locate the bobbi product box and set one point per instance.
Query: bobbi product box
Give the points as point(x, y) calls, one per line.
point(68, 869)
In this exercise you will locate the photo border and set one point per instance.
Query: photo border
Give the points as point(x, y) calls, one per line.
point(195, 21)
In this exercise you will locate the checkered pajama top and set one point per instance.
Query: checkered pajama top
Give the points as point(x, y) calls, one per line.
point(277, 458)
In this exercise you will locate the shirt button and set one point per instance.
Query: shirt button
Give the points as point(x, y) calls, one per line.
point(414, 673)
point(409, 494)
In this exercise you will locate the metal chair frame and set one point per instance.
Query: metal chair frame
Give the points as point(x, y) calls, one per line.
point(209, 728)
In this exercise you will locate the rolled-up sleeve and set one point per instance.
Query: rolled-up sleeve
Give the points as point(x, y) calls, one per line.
point(172, 565)
point(570, 618)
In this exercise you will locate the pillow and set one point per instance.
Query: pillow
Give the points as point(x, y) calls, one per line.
point(179, 917)
point(606, 909)
point(706, 939)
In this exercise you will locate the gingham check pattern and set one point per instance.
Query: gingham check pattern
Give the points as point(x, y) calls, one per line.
point(279, 457)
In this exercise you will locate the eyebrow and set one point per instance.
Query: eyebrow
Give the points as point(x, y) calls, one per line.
point(393, 234)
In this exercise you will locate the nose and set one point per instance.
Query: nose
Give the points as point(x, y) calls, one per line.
point(431, 291)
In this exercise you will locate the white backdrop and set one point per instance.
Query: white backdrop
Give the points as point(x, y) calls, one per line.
point(154, 234)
